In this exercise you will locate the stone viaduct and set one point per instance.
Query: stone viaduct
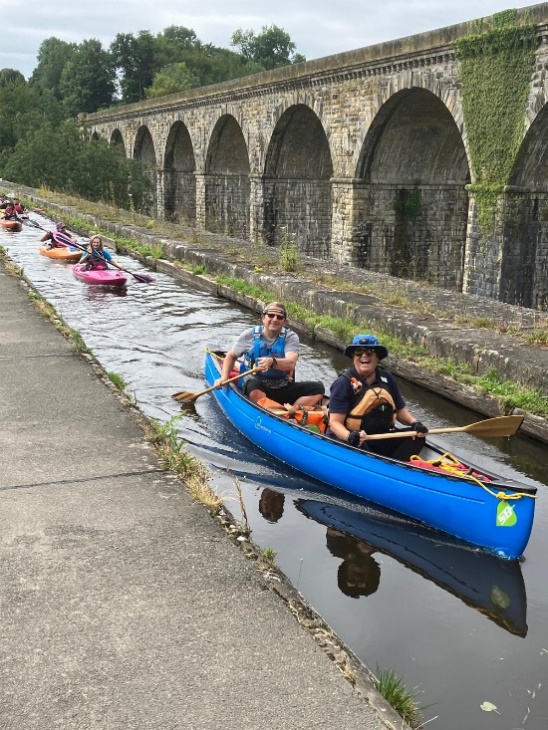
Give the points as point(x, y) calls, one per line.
point(362, 157)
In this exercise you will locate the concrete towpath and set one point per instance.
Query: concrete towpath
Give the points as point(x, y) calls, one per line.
point(124, 605)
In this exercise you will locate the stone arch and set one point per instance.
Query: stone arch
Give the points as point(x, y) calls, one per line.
point(226, 179)
point(179, 177)
point(524, 265)
point(297, 189)
point(143, 150)
point(411, 204)
point(117, 140)
point(95, 136)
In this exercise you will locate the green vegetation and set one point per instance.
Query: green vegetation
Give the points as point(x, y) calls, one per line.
point(268, 554)
point(117, 380)
point(496, 64)
point(404, 701)
point(289, 253)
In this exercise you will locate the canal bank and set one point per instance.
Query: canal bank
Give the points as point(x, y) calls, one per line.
point(482, 334)
point(124, 605)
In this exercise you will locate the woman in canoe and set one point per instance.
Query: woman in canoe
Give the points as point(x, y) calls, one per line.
point(365, 399)
point(97, 257)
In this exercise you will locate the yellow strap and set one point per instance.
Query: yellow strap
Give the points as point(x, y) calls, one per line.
point(450, 463)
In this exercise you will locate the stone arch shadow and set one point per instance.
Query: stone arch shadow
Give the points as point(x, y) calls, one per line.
point(410, 199)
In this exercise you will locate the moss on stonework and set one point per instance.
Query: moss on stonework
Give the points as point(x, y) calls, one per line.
point(496, 65)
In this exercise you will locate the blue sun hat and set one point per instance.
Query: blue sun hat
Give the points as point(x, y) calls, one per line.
point(367, 341)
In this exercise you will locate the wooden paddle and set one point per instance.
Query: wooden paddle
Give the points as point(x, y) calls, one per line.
point(185, 395)
point(500, 426)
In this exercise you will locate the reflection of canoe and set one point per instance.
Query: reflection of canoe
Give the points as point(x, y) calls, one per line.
point(61, 253)
point(101, 277)
point(11, 225)
point(491, 585)
point(473, 510)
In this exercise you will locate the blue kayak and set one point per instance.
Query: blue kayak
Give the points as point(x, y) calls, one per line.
point(483, 509)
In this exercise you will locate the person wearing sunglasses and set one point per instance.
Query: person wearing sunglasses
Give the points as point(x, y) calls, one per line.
point(365, 399)
point(274, 349)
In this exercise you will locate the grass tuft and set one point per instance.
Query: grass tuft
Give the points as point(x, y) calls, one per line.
point(403, 700)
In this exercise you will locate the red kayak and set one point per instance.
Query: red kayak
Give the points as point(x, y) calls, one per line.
point(102, 277)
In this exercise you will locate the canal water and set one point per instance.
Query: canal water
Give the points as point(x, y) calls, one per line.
point(466, 630)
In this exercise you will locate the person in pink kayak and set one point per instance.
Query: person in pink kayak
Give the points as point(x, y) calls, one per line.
point(97, 257)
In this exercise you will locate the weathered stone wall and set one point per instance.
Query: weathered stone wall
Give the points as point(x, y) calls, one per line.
point(334, 151)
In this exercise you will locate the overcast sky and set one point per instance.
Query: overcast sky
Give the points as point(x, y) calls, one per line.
point(317, 27)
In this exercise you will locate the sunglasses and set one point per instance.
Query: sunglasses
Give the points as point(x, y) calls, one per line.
point(275, 316)
point(365, 351)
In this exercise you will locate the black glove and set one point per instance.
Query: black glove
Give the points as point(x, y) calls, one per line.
point(353, 438)
point(419, 427)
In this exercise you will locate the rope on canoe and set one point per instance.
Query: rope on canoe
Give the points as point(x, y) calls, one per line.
point(449, 463)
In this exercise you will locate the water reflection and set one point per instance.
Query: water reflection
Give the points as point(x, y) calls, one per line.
point(359, 574)
point(492, 586)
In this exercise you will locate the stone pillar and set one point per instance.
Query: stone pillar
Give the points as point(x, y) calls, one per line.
point(201, 181)
point(162, 175)
point(256, 207)
point(342, 219)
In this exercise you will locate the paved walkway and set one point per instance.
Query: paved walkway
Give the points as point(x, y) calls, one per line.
point(124, 604)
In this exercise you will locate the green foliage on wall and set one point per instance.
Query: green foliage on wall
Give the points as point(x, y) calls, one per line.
point(408, 203)
point(496, 65)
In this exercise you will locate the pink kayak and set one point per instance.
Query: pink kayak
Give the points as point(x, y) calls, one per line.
point(104, 277)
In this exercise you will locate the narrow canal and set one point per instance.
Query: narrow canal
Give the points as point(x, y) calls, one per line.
point(462, 627)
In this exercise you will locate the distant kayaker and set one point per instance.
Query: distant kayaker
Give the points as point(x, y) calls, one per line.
point(19, 207)
point(97, 257)
point(274, 349)
point(365, 399)
point(55, 241)
point(10, 214)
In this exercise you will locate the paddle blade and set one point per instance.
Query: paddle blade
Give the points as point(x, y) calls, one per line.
point(501, 426)
point(143, 278)
point(185, 396)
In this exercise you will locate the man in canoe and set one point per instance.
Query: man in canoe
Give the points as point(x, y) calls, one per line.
point(49, 237)
point(274, 349)
point(365, 399)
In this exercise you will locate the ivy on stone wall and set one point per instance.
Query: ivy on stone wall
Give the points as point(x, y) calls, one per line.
point(496, 65)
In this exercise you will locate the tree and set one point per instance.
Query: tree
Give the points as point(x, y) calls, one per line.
point(172, 45)
point(271, 48)
point(11, 76)
point(171, 79)
point(87, 81)
point(67, 160)
point(134, 58)
point(53, 55)
point(23, 109)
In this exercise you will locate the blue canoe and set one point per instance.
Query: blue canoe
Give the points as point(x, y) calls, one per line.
point(495, 515)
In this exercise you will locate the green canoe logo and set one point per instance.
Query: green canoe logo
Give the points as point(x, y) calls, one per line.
point(506, 517)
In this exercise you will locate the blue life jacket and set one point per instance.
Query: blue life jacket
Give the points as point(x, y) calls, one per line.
point(261, 349)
